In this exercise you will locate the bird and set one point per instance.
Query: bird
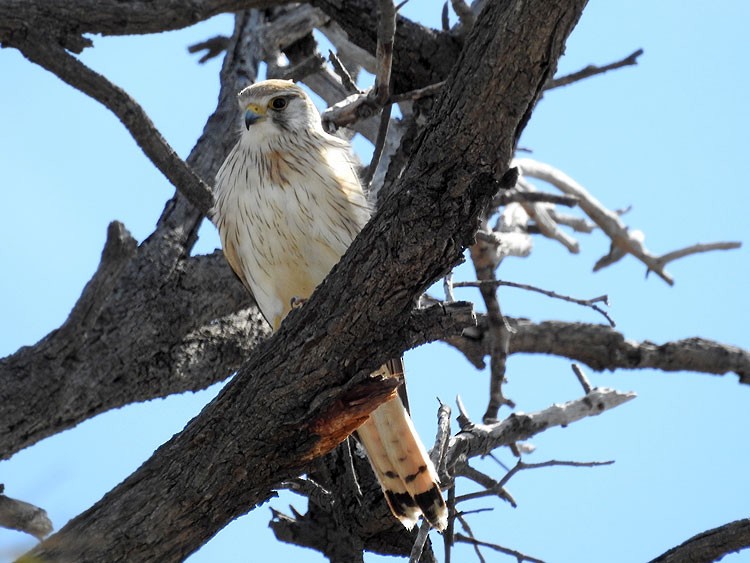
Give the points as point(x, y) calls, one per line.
point(288, 203)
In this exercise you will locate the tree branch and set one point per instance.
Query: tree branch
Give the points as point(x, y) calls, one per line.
point(711, 545)
point(602, 348)
point(24, 517)
point(307, 387)
point(593, 70)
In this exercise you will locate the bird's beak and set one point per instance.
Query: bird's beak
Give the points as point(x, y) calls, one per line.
point(253, 113)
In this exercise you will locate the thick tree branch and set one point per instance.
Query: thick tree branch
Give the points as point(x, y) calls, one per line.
point(115, 349)
point(711, 545)
point(307, 387)
point(62, 20)
point(603, 348)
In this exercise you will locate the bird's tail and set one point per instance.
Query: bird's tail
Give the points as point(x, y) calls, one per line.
point(402, 466)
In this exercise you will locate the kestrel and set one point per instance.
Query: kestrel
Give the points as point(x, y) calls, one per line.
point(288, 205)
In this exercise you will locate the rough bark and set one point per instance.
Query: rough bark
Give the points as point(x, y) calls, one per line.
point(603, 348)
point(302, 391)
point(710, 545)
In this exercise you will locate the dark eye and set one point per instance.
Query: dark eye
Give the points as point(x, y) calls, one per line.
point(278, 103)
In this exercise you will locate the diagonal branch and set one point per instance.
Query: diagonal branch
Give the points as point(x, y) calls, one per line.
point(711, 545)
point(69, 69)
point(593, 70)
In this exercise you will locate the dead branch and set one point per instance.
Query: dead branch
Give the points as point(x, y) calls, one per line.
point(711, 545)
point(602, 348)
point(24, 517)
point(593, 70)
point(481, 439)
point(591, 303)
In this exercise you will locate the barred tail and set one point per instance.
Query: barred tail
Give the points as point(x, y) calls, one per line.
point(402, 466)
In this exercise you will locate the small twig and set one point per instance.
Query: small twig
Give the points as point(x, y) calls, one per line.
point(592, 70)
point(213, 47)
point(377, 153)
point(448, 288)
point(483, 257)
point(491, 486)
point(481, 439)
point(517, 554)
point(695, 249)
point(437, 454)
point(340, 69)
point(623, 239)
point(310, 489)
point(591, 303)
point(416, 550)
point(411, 95)
point(582, 379)
point(469, 531)
point(464, 422)
point(448, 534)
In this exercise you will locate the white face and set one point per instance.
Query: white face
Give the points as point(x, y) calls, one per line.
point(275, 108)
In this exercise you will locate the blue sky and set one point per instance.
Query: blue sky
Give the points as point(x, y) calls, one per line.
point(668, 137)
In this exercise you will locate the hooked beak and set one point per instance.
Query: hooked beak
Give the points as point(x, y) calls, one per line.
point(253, 113)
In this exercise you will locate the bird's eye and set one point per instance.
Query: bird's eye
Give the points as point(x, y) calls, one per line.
point(278, 103)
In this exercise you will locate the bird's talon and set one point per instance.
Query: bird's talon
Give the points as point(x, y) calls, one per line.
point(297, 302)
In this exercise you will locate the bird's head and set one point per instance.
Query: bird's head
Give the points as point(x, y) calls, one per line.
point(275, 108)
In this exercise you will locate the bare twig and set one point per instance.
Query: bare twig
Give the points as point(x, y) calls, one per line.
point(437, 454)
point(482, 255)
point(213, 47)
point(623, 239)
point(51, 56)
point(412, 95)
point(448, 287)
point(340, 70)
point(464, 422)
point(310, 489)
point(695, 249)
point(592, 70)
point(469, 531)
point(517, 554)
point(481, 439)
point(591, 303)
point(385, 119)
point(541, 214)
point(491, 486)
point(582, 379)
point(448, 534)
point(416, 550)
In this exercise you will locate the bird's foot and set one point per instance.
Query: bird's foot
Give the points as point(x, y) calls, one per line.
point(297, 302)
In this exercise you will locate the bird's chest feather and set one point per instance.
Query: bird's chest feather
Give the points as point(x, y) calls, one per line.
point(288, 222)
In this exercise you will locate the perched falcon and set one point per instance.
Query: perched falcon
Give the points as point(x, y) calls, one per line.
point(288, 205)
